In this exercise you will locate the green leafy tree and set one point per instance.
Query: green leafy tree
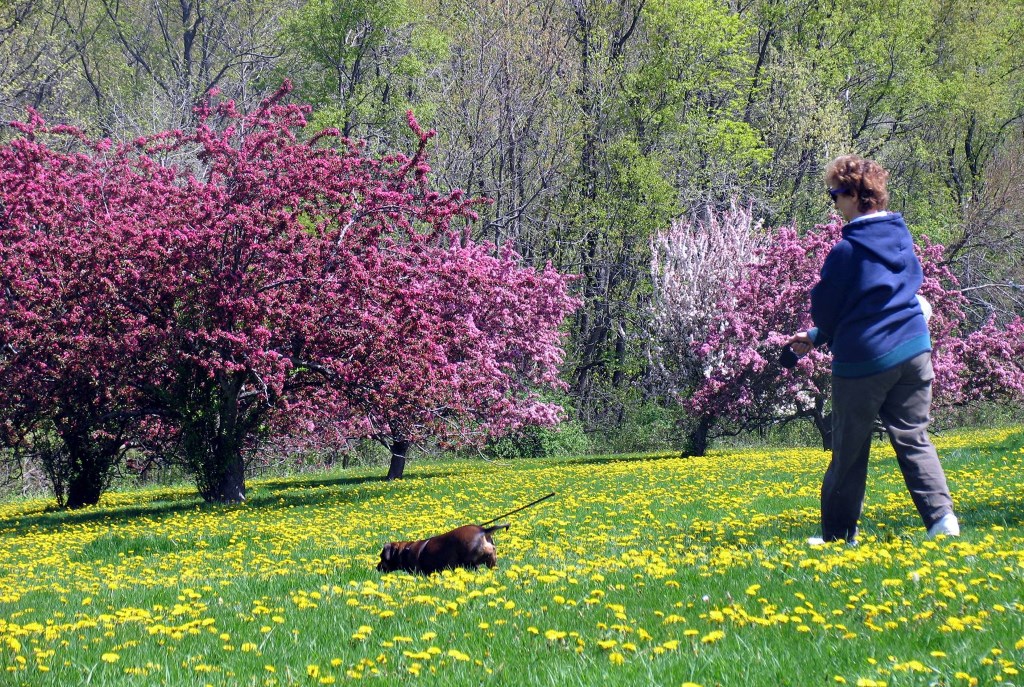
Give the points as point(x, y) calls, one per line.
point(35, 57)
point(362, 63)
point(660, 91)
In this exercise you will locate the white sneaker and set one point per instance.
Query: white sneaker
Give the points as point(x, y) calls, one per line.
point(819, 541)
point(947, 525)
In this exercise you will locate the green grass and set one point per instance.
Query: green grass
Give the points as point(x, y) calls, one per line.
point(643, 570)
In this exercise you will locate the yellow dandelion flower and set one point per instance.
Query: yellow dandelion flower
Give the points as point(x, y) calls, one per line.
point(616, 658)
point(110, 657)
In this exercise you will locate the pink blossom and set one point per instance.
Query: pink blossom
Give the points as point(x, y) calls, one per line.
point(735, 343)
point(261, 283)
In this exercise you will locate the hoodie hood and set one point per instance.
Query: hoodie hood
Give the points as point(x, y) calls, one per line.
point(885, 238)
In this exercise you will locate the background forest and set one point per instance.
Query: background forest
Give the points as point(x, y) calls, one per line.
point(592, 125)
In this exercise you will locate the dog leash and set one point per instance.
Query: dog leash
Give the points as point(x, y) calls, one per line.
point(511, 512)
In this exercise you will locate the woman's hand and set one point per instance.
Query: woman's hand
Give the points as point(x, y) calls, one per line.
point(800, 343)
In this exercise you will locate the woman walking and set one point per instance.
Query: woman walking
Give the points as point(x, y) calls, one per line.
point(865, 308)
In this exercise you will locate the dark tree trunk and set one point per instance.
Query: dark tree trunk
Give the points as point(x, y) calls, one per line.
point(89, 465)
point(87, 480)
point(823, 423)
point(399, 449)
point(698, 439)
point(214, 433)
point(227, 484)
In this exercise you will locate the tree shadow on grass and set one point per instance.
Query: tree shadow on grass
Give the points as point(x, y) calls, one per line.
point(271, 495)
point(52, 518)
point(316, 482)
point(622, 458)
point(978, 514)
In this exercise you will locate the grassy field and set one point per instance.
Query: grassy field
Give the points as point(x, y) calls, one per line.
point(643, 570)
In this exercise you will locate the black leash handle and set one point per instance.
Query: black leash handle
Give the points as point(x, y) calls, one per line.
point(532, 503)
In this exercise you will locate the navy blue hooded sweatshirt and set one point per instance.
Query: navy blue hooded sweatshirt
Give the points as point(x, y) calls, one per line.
point(865, 305)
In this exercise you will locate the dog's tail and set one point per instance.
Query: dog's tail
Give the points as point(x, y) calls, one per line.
point(493, 528)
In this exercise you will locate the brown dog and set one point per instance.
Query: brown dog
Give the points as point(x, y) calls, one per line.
point(467, 547)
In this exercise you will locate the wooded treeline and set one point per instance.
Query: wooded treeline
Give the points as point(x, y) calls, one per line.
point(591, 123)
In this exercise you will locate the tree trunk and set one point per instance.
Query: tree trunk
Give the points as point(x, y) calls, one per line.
point(227, 484)
point(823, 423)
point(213, 436)
point(698, 439)
point(86, 483)
point(399, 449)
point(89, 464)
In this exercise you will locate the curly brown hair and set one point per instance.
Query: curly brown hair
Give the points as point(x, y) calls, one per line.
point(865, 179)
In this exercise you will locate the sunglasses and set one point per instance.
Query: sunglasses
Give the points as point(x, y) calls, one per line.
point(836, 192)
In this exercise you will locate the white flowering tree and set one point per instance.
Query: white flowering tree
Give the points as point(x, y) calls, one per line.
point(693, 263)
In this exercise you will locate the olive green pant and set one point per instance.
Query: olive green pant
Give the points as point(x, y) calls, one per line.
point(902, 398)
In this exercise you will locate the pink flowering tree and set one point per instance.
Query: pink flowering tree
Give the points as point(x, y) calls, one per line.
point(742, 382)
point(66, 342)
point(742, 386)
point(255, 282)
point(464, 338)
point(972, 363)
